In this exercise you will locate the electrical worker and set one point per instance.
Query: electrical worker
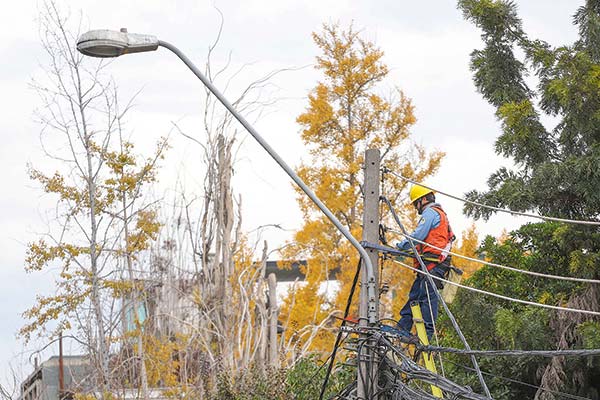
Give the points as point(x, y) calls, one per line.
point(434, 229)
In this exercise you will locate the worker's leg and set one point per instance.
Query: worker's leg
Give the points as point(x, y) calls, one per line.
point(430, 298)
point(415, 294)
point(429, 308)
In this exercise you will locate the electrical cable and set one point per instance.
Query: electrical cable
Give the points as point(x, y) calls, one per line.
point(437, 293)
point(562, 394)
point(339, 335)
point(523, 214)
point(491, 264)
point(472, 289)
point(516, 353)
point(410, 371)
point(360, 373)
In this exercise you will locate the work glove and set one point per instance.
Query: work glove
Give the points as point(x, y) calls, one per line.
point(400, 245)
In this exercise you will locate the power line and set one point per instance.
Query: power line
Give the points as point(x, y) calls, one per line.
point(491, 264)
point(531, 303)
point(562, 394)
point(407, 370)
point(504, 210)
point(514, 353)
point(410, 371)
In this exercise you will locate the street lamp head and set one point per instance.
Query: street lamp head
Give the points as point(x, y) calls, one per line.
point(106, 43)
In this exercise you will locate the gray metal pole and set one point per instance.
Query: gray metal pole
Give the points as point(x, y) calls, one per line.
point(372, 299)
point(367, 376)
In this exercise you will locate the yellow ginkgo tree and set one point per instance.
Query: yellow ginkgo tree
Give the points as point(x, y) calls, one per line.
point(467, 247)
point(349, 111)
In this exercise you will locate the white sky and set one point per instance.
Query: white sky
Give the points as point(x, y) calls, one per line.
point(426, 45)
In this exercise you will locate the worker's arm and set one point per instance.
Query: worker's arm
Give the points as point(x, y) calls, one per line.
point(430, 219)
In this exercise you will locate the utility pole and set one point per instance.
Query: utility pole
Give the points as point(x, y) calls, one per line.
point(367, 378)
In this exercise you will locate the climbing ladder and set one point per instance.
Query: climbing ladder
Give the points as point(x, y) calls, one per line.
point(422, 334)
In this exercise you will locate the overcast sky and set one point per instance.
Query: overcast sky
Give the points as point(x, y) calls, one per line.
point(426, 45)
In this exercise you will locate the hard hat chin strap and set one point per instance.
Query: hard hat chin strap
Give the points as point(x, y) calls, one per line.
point(419, 205)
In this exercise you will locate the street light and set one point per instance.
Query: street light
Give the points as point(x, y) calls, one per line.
point(105, 43)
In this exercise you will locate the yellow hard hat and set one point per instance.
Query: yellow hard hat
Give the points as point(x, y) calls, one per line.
point(418, 191)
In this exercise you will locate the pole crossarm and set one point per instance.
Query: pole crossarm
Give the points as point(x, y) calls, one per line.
point(385, 249)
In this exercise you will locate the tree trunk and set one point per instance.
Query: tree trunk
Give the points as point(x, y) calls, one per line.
point(273, 316)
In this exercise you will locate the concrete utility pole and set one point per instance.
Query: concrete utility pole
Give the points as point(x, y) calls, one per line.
point(367, 368)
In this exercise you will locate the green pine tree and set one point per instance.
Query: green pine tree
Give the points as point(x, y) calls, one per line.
point(557, 173)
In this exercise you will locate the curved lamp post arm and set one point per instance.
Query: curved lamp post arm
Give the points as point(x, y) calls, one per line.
point(363, 254)
point(107, 43)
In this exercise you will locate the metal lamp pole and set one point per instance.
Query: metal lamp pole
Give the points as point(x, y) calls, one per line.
point(107, 43)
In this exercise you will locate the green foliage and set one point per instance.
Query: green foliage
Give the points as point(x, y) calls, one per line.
point(495, 325)
point(252, 385)
point(556, 172)
point(557, 168)
point(590, 333)
point(300, 382)
point(305, 378)
point(519, 330)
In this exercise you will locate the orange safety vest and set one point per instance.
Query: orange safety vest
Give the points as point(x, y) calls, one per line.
point(441, 237)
